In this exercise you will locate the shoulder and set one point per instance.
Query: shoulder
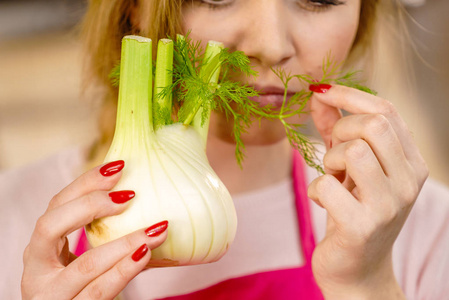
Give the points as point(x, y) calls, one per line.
point(42, 178)
point(434, 191)
point(26, 191)
point(420, 253)
point(430, 214)
point(429, 217)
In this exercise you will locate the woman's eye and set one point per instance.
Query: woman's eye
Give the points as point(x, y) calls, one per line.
point(216, 3)
point(318, 5)
point(311, 5)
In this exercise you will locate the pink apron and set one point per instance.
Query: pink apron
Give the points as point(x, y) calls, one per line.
point(294, 283)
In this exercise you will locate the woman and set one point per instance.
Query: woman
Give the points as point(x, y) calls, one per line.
point(374, 173)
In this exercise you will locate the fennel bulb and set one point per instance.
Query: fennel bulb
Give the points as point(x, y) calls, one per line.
point(173, 181)
point(168, 170)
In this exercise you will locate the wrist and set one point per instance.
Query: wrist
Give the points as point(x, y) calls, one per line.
point(380, 283)
point(391, 291)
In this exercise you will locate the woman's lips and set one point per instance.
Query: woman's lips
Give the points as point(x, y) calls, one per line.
point(273, 96)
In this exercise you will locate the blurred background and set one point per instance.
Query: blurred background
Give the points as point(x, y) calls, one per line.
point(41, 110)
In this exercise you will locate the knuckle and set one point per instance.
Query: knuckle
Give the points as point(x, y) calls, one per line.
point(29, 290)
point(89, 201)
point(369, 230)
point(129, 243)
point(377, 124)
point(323, 183)
point(84, 180)
point(24, 281)
point(383, 217)
point(92, 203)
point(327, 159)
point(86, 264)
point(121, 273)
point(356, 149)
point(43, 228)
point(389, 214)
point(422, 170)
point(387, 108)
point(410, 192)
point(26, 254)
point(345, 93)
point(55, 201)
point(425, 170)
point(95, 291)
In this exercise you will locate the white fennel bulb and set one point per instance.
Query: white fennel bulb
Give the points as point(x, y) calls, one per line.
point(167, 168)
point(172, 179)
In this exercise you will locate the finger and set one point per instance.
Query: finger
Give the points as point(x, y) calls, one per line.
point(324, 117)
point(377, 131)
point(342, 177)
point(56, 224)
point(329, 193)
point(102, 177)
point(93, 268)
point(358, 102)
point(360, 164)
point(115, 280)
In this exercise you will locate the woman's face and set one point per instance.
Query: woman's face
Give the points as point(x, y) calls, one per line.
point(295, 35)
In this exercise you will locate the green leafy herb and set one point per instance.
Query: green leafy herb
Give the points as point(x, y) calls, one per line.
point(199, 83)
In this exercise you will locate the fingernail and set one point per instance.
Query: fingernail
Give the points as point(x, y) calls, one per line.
point(112, 168)
point(156, 229)
point(320, 88)
point(140, 252)
point(120, 197)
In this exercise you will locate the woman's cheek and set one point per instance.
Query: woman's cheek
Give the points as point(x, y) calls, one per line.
point(343, 39)
point(328, 36)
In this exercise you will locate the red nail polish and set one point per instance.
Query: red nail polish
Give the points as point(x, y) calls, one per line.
point(120, 197)
point(112, 168)
point(157, 229)
point(140, 252)
point(320, 88)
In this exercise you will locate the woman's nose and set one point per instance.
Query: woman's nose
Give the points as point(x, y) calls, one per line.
point(266, 37)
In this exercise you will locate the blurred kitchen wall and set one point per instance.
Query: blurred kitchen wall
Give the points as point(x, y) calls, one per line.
point(40, 65)
point(429, 28)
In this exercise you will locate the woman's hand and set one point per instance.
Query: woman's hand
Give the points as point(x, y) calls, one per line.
point(374, 173)
point(52, 272)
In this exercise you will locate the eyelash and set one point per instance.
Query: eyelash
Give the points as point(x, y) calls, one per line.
point(318, 5)
point(216, 4)
point(311, 5)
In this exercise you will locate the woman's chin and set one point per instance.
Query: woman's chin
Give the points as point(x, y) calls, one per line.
point(265, 134)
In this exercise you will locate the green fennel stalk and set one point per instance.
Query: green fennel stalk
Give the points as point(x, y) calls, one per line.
point(162, 103)
point(136, 87)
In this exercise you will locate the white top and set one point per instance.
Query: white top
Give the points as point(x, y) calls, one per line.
point(420, 256)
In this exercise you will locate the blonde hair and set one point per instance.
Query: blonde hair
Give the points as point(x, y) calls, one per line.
point(106, 22)
point(103, 27)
